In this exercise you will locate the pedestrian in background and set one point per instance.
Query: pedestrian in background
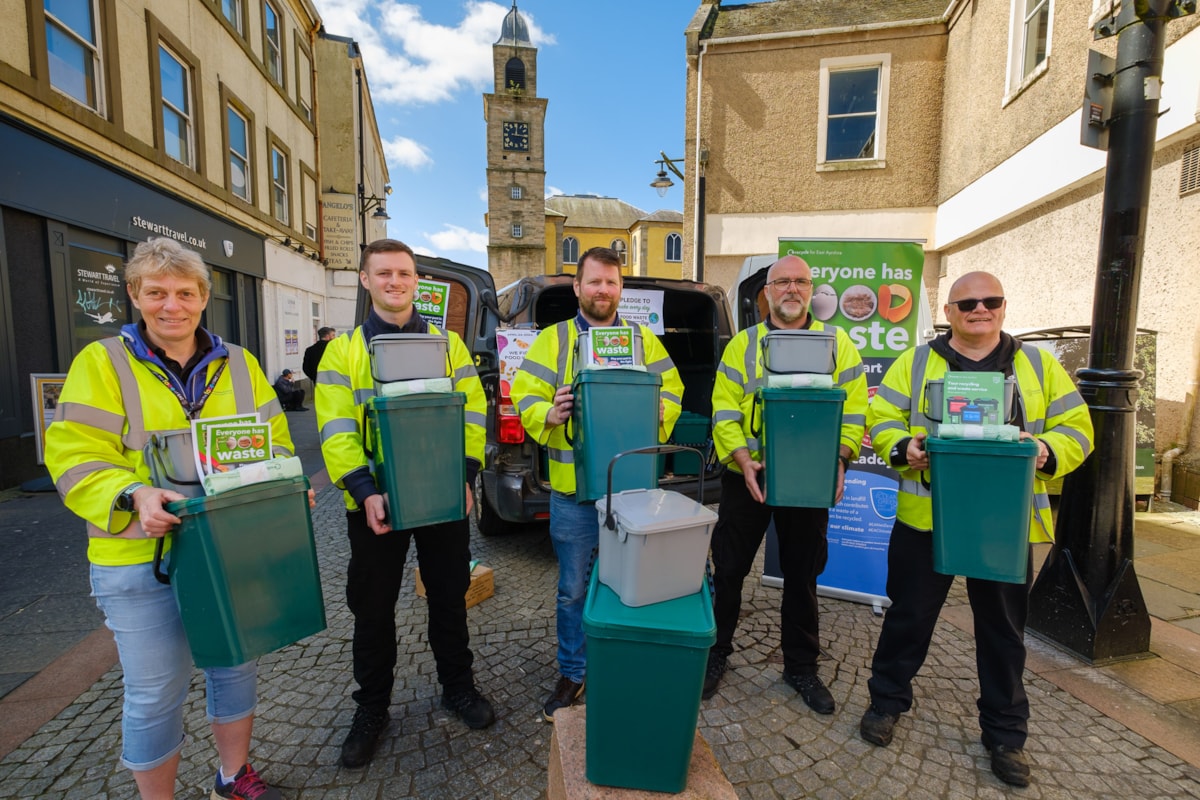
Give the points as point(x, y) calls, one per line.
point(744, 513)
point(542, 393)
point(1050, 412)
point(378, 553)
point(157, 376)
point(290, 395)
point(313, 353)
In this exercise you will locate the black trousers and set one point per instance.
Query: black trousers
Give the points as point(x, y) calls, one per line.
point(917, 594)
point(291, 399)
point(741, 524)
point(373, 586)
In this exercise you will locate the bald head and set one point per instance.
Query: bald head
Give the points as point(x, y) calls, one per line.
point(789, 291)
point(975, 309)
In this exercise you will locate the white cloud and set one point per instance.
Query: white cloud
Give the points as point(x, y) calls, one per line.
point(411, 61)
point(483, 195)
point(453, 237)
point(424, 251)
point(404, 152)
point(551, 191)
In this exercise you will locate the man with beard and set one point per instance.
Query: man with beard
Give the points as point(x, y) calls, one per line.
point(542, 393)
point(744, 513)
point(1050, 412)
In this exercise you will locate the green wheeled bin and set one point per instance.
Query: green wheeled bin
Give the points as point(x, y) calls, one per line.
point(243, 567)
point(801, 432)
point(419, 448)
point(982, 507)
point(645, 672)
point(615, 410)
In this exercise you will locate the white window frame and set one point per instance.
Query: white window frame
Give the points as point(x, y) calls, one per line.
point(1018, 78)
point(517, 230)
point(247, 166)
point(621, 249)
point(188, 114)
point(515, 192)
point(573, 243)
point(274, 47)
point(880, 61)
point(678, 240)
point(92, 48)
point(279, 205)
point(239, 15)
point(304, 82)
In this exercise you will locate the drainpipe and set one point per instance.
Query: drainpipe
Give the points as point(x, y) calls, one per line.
point(1168, 459)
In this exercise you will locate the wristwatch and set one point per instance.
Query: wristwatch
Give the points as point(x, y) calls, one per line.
point(845, 463)
point(125, 498)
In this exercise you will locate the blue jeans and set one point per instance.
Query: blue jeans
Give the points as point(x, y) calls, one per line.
point(575, 532)
point(157, 665)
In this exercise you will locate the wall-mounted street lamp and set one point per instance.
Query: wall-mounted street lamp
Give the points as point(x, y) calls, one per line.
point(367, 203)
point(662, 182)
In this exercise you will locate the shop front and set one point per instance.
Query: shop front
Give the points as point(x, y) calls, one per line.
point(67, 223)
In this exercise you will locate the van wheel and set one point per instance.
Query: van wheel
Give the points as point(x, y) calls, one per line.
point(487, 520)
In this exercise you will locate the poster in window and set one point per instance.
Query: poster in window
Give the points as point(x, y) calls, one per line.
point(45, 388)
point(99, 305)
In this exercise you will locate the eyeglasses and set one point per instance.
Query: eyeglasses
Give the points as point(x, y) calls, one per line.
point(783, 284)
point(969, 303)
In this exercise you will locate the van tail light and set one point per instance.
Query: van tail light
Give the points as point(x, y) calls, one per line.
point(508, 421)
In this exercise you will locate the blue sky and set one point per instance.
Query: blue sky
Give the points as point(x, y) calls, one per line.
point(614, 72)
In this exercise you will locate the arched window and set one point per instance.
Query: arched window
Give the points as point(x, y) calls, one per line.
point(570, 250)
point(619, 246)
point(674, 247)
point(514, 74)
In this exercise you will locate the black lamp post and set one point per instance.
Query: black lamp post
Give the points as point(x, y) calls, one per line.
point(1087, 598)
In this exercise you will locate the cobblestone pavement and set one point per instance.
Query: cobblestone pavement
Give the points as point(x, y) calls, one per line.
point(767, 741)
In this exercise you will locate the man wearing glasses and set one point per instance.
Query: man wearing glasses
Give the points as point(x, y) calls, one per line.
point(1050, 412)
point(745, 513)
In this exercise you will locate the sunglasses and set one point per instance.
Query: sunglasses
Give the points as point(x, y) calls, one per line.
point(969, 303)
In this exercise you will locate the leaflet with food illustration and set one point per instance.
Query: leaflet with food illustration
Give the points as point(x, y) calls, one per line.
point(215, 453)
point(973, 398)
point(612, 347)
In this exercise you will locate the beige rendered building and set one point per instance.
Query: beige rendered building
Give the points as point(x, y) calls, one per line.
point(953, 123)
point(122, 121)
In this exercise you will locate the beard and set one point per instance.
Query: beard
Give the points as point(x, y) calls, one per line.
point(782, 310)
point(598, 308)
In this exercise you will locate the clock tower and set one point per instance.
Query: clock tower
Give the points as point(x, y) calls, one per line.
point(516, 157)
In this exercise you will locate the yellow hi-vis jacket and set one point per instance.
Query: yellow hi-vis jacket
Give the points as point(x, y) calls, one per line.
point(1052, 410)
point(549, 364)
point(345, 387)
point(110, 406)
point(740, 375)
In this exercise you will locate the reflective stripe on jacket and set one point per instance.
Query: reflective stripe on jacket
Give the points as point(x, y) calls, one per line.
point(740, 375)
point(1051, 409)
point(549, 364)
point(110, 406)
point(345, 387)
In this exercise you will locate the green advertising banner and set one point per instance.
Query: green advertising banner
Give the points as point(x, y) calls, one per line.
point(870, 289)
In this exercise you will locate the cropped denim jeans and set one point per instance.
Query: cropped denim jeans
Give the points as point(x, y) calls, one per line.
point(575, 533)
point(157, 665)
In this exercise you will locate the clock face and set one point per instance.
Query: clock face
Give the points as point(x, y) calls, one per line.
point(516, 136)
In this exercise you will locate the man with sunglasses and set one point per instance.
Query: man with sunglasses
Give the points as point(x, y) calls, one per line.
point(745, 513)
point(1050, 412)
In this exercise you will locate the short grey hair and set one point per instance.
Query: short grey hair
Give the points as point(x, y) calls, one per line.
point(160, 257)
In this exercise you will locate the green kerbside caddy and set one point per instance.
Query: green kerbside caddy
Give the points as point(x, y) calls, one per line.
point(800, 434)
point(982, 507)
point(243, 567)
point(418, 452)
point(615, 410)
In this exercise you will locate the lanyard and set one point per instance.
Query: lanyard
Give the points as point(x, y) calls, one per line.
point(191, 409)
